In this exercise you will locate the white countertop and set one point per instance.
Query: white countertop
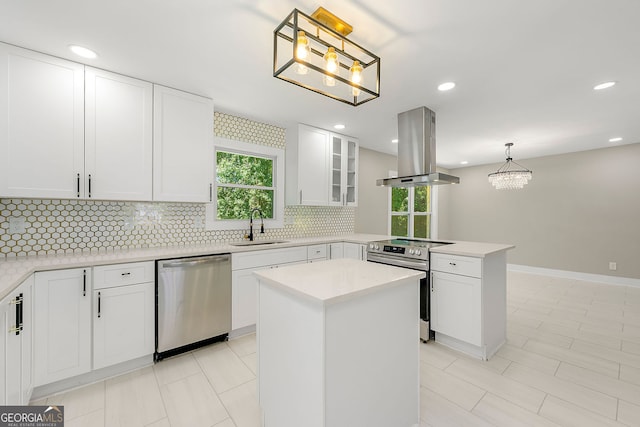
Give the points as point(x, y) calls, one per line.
point(337, 280)
point(474, 249)
point(14, 271)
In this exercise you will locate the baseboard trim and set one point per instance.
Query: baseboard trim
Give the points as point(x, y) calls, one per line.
point(577, 275)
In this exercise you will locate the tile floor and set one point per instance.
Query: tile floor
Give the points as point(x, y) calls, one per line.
point(572, 358)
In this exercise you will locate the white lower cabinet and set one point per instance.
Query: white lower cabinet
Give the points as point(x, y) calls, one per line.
point(62, 324)
point(317, 253)
point(244, 293)
point(468, 302)
point(123, 324)
point(347, 250)
point(106, 311)
point(355, 251)
point(455, 306)
point(15, 346)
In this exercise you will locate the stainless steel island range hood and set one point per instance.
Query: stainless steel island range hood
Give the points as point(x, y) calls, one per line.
point(417, 152)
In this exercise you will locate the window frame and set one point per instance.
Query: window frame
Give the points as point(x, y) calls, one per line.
point(247, 149)
point(411, 214)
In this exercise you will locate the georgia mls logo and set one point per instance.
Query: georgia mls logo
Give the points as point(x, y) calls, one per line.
point(31, 416)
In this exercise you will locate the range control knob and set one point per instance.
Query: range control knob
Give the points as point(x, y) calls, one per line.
point(411, 251)
point(371, 246)
point(418, 252)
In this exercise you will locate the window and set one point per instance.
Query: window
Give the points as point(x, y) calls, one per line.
point(411, 212)
point(247, 176)
point(243, 182)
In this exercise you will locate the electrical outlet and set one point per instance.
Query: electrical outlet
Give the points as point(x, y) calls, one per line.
point(197, 222)
point(17, 225)
point(613, 265)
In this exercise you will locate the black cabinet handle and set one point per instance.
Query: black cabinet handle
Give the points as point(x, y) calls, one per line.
point(126, 274)
point(78, 185)
point(89, 185)
point(211, 192)
point(20, 314)
point(99, 298)
point(84, 283)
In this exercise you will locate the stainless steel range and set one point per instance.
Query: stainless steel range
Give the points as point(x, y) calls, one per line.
point(413, 254)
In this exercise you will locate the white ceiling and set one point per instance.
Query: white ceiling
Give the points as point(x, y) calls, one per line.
point(524, 69)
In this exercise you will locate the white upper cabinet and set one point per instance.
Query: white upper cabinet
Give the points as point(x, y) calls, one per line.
point(344, 171)
point(118, 136)
point(182, 146)
point(312, 166)
point(322, 168)
point(41, 125)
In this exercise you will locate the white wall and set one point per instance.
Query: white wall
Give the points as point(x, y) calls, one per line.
point(372, 210)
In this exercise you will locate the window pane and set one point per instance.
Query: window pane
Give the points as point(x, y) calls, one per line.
point(233, 168)
point(399, 225)
point(236, 203)
point(399, 200)
point(422, 199)
point(422, 226)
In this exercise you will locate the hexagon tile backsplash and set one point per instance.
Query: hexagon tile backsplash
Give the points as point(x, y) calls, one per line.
point(77, 226)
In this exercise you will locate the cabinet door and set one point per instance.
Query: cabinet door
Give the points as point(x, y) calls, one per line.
point(118, 136)
point(26, 289)
point(182, 146)
point(123, 324)
point(12, 354)
point(354, 250)
point(313, 174)
point(244, 298)
point(336, 250)
point(336, 173)
point(350, 159)
point(41, 125)
point(4, 327)
point(62, 324)
point(456, 306)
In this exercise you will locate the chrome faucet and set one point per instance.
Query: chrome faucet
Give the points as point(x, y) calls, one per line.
point(250, 236)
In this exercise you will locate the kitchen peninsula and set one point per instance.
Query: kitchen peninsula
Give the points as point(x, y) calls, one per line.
point(337, 344)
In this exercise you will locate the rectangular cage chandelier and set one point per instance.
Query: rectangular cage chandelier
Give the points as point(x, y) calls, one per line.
point(313, 52)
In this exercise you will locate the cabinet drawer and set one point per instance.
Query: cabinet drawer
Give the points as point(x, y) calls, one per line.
point(317, 252)
point(267, 257)
point(108, 276)
point(466, 266)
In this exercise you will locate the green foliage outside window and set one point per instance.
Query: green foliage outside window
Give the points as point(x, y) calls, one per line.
point(402, 215)
point(243, 182)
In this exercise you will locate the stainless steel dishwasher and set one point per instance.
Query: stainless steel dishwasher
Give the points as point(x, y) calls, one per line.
point(193, 303)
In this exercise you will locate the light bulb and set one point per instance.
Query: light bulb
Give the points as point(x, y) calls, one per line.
point(356, 77)
point(303, 49)
point(356, 72)
point(331, 60)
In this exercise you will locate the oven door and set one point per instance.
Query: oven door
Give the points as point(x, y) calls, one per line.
point(425, 296)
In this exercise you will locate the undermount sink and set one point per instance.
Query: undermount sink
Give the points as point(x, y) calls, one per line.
point(257, 242)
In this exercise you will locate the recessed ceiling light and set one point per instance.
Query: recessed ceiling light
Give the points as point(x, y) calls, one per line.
point(446, 86)
point(339, 126)
point(464, 162)
point(616, 139)
point(604, 85)
point(83, 51)
point(395, 141)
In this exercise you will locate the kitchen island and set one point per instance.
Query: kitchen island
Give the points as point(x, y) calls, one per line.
point(337, 345)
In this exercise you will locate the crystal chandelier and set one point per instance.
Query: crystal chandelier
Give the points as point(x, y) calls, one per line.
point(506, 177)
point(313, 52)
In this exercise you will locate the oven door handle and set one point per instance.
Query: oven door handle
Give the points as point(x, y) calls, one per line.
point(415, 265)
